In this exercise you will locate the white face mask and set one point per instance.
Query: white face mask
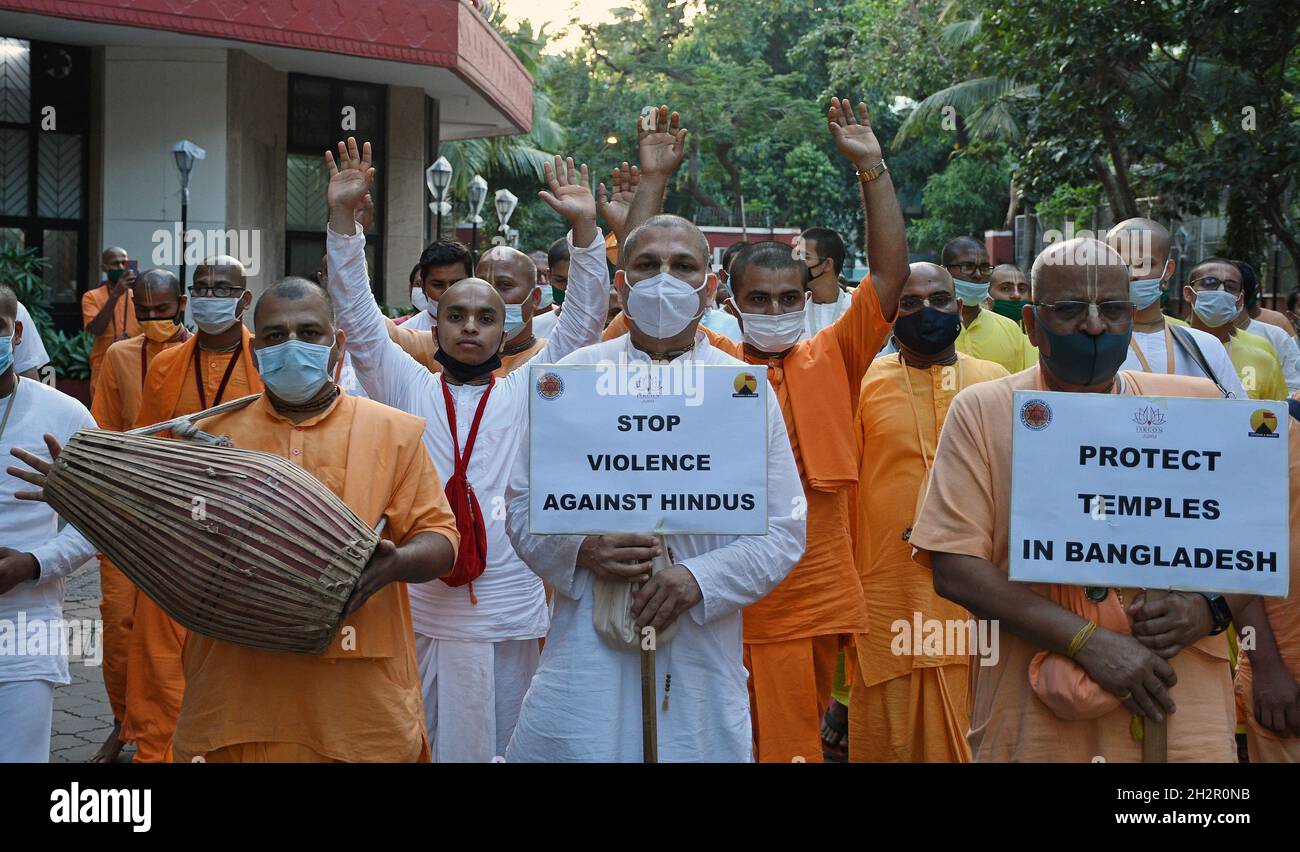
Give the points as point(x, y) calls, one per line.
point(213, 314)
point(770, 332)
point(421, 302)
point(548, 296)
point(663, 306)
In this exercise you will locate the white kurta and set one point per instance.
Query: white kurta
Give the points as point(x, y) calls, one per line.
point(817, 315)
point(1285, 347)
point(421, 321)
point(31, 351)
point(511, 602)
point(32, 527)
point(584, 703)
point(544, 324)
point(1152, 345)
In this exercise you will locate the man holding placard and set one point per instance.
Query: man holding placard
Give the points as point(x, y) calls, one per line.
point(1075, 665)
point(476, 641)
point(589, 689)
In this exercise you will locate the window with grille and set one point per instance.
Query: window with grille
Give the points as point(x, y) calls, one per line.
point(318, 107)
point(44, 127)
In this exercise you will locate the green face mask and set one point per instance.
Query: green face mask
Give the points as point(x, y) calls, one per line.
point(1009, 308)
point(115, 275)
point(557, 295)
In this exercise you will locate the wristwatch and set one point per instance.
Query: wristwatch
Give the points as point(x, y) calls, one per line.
point(1219, 611)
point(872, 173)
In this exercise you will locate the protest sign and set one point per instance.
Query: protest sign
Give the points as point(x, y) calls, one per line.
point(638, 447)
point(1150, 492)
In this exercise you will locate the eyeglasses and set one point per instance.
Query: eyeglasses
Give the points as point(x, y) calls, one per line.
point(1209, 282)
point(1068, 312)
point(219, 292)
point(938, 301)
point(970, 269)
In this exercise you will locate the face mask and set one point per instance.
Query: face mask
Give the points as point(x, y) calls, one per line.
point(421, 302)
point(1215, 307)
point(1144, 292)
point(558, 294)
point(462, 372)
point(548, 296)
point(771, 332)
point(928, 331)
point(6, 352)
point(294, 370)
point(115, 275)
point(159, 330)
point(1009, 308)
point(663, 306)
point(213, 314)
point(1082, 359)
point(969, 292)
point(514, 319)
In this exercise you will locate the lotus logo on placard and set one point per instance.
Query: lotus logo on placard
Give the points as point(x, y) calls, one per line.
point(550, 386)
point(1150, 421)
point(1036, 415)
point(1263, 424)
point(746, 385)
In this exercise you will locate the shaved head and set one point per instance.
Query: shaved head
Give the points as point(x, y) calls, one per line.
point(471, 320)
point(1081, 269)
point(111, 253)
point(294, 289)
point(220, 270)
point(960, 249)
point(8, 303)
point(156, 284)
point(665, 222)
point(923, 276)
point(1143, 243)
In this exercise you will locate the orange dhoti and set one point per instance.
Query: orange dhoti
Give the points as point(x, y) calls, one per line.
point(155, 682)
point(117, 609)
point(789, 687)
point(920, 717)
point(263, 752)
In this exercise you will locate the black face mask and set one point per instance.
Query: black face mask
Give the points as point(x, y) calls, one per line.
point(462, 372)
point(928, 331)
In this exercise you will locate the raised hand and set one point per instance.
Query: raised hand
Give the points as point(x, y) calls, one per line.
point(351, 177)
point(570, 196)
point(854, 137)
point(660, 140)
point(614, 205)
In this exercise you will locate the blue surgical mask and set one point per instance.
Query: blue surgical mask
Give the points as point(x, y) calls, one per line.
point(548, 295)
point(514, 318)
point(1144, 292)
point(1215, 307)
point(969, 292)
point(6, 352)
point(294, 370)
point(213, 314)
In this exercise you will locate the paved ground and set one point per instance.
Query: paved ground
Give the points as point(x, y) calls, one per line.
point(82, 716)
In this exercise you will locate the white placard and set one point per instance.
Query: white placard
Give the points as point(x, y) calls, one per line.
point(1150, 492)
point(631, 447)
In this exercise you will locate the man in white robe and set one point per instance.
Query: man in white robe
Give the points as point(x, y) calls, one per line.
point(35, 555)
point(584, 703)
point(476, 659)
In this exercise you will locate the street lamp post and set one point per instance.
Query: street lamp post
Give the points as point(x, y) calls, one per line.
point(506, 202)
point(438, 178)
point(185, 152)
point(477, 195)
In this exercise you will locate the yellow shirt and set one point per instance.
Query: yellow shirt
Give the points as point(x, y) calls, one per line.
point(1257, 366)
point(993, 337)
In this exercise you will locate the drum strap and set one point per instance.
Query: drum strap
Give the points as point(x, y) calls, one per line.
point(225, 379)
point(18, 380)
point(471, 558)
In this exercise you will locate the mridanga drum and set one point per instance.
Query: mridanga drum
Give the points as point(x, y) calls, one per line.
point(237, 545)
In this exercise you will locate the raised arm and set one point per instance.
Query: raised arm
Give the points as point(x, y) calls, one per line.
point(661, 142)
point(384, 369)
point(615, 203)
point(885, 234)
point(587, 297)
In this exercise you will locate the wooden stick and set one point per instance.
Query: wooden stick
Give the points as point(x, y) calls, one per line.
point(1155, 735)
point(649, 713)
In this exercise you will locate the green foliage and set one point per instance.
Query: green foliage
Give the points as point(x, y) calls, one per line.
point(967, 198)
point(23, 270)
point(1076, 204)
point(70, 354)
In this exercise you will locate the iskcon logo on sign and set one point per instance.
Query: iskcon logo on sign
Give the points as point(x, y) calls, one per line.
point(1036, 415)
point(1150, 421)
point(746, 385)
point(550, 386)
point(1263, 424)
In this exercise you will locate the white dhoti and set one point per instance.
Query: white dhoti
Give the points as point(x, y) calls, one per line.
point(27, 708)
point(472, 694)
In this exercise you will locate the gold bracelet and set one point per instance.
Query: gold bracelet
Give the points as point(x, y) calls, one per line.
point(872, 173)
point(1080, 639)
